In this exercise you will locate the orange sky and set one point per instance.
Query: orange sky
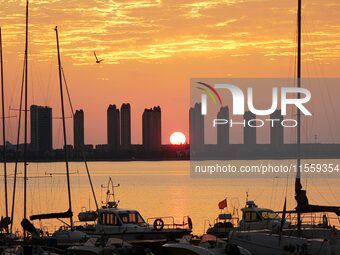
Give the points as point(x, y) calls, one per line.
point(151, 49)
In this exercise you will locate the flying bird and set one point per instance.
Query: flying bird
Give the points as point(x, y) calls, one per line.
point(97, 60)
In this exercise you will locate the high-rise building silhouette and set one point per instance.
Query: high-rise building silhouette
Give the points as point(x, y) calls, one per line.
point(223, 130)
point(113, 127)
point(78, 130)
point(196, 127)
point(41, 128)
point(125, 126)
point(152, 128)
point(249, 132)
point(276, 129)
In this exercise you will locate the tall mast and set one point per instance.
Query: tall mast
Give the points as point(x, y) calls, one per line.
point(25, 118)
point(17, 146)
point(3, 125)
point(64, 128)
point(298, 186)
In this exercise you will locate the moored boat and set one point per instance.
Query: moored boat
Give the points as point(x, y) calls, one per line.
point(128, 224)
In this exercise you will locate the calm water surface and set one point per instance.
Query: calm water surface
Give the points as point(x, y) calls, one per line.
point(155, 189)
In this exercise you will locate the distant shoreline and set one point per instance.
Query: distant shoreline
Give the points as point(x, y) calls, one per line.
point(169, 159)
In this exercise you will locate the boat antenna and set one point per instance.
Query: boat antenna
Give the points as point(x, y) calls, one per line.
point(25, 118)
point(3, 127)
point(64, 129)
point(110, 192)
point(298, 186)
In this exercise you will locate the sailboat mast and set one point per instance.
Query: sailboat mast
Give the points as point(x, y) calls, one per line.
point(3, 125)
point(64, 129)
point(25, 118)
point(298, 185)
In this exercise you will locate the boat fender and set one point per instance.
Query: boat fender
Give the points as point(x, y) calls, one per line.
point(232, 249)
point(325, 220)
point(190, 223)
point(158, 224)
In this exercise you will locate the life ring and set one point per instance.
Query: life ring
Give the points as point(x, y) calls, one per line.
point(158, 224)
point(190, 223)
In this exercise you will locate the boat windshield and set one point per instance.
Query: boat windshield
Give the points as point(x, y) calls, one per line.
point(131, 217)
point(270, 215)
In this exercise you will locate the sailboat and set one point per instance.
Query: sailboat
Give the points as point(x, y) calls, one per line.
point(302, 238)
point(64, 235)
point(310, 230)
point(25, 223)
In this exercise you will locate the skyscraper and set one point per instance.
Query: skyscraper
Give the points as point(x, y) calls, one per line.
point(125, 126)
point(41, 128)
point(276, 129)
point(249, 133)
point(223, 130)
point(78, 130)
point(196, 127)
point(152, 128)
point(113, 127)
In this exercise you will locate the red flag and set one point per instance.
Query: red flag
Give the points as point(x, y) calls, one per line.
point(223, 204)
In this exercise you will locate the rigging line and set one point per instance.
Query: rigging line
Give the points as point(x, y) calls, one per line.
point(12, 89)
point(30, 72)
point(82, 149)
point(39, 195)
point(292, 132)
point(322, 75)
point(50, 78)
point(17, 146)
point(3, 128)
point(318, 191)
point(67, 90)
point(309, 52)
point(318, 68)
point(271, 194)
point(307, 70)
point(332, 193)
point(287, 184)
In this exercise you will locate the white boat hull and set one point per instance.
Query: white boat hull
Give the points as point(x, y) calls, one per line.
point(265, 243)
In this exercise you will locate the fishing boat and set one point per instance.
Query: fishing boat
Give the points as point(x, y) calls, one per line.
point(128, 224)
point(253, 218)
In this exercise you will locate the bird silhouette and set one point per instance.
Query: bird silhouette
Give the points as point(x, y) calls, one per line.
point(97, 60)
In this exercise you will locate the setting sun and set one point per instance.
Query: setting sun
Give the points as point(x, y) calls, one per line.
point(177, 138)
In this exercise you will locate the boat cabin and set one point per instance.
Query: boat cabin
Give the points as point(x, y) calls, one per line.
point(255, 218)
point(119, 217)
